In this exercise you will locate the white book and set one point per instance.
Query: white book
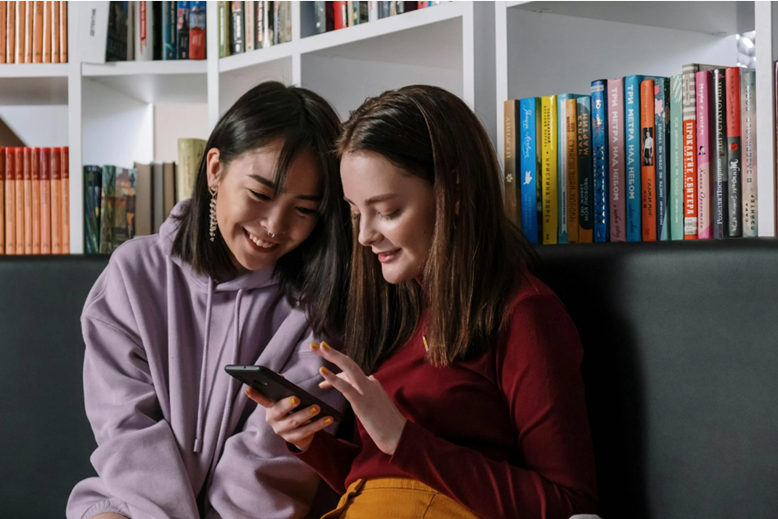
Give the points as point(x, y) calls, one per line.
point(92, 27)
point(144, 32)
point(372, 11)
point(248, 17)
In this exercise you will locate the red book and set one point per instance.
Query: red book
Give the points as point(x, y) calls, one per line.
point(27, 201)
point(64, 166)
point(45, 203)
point(10, 200)
point(734, 165)
point(197, 31)
point(19, 201)
point(56, 203)
point(35, 156)
point(647, 160)
point(341, 15)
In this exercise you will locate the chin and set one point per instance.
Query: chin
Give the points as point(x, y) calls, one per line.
point(396, 276)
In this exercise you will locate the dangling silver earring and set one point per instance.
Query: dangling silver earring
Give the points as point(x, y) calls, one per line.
point(213, 224)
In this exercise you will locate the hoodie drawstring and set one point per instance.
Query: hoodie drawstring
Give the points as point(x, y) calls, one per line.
point(235, 356)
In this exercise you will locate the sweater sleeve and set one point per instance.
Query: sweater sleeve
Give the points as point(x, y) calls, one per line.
point(538, 367)
point(332, 458)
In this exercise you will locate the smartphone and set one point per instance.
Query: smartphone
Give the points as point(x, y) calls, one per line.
point(276, 387)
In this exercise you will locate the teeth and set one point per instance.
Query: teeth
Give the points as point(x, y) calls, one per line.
point(261, 243)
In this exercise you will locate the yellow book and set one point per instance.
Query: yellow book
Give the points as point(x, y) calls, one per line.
point(549, 167)
point(571, 125)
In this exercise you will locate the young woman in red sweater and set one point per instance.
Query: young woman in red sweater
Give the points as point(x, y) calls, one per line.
point(474, 404)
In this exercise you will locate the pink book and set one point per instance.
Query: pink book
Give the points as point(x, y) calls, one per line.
point(703, 80)
point(616, 199)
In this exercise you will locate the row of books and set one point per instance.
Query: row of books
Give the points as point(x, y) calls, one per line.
point(144, 31)
point(642, 158)
point(331, 16)
point(33, 32)
point(34, 201)
point(247, 26)
point(121, 203)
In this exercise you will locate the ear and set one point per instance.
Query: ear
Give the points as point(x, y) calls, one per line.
point(213, 169)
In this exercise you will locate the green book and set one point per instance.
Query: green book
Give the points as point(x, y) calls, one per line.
point(93, 177)
point(676, 202)
point(124, 206)
point(107, 203)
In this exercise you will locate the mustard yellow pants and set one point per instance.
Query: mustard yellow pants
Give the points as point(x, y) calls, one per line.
point(394, 498)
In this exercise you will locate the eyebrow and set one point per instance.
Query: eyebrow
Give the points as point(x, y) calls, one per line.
point(272, 185)
point(375, 199)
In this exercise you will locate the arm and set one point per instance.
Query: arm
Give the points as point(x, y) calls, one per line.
point(539, 370)
point(331, 458)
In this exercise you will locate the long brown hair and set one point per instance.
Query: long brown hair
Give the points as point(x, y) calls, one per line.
point(477, 256)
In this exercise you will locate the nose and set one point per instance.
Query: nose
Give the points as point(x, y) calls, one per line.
point(276, 221)
point(367, 233)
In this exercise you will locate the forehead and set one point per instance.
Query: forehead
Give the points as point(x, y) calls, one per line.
point(302, 177)
point(366, 174)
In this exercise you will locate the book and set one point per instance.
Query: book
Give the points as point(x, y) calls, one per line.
point(37, 33)
point(168, 188)
point(107, 204)
point(250, 28)
point(632, 151)
point(513, 134)
point(734, 166)
point(260, 18)
point(116, 40)
point(601, 161)
point(28, 218)
point(56, 202)
point(124, 207)
point(225, 22)
point(190, 151)
point(65, 198)
point(647, 161)
point(2, 195)
point(169, 30)
point(270, 24)
point(676, 204)
point(20, 26)
point(563, 168)
point(352, 14)
point(283, 22)
point(529, 153)
point(92, 194)
point(35, 166)
point(10, 200)
point(10, 33)
point(571, 150)
point(144, 31)
point(29, 31)
point(372, 11)
point(719, 202)
point(23, 234)
point(3, 37)
point(550, 193)
point(616, 151)
point(748, 140)
point(702, 81)
point(182, 30)
point(341, 15)
point(45, 199)
point(237, 29)
point(89, 17)
point(63, 32)
point(585, 171)
point(662, 146)
point(197, 30)
point(47, 33)
point(144, 200)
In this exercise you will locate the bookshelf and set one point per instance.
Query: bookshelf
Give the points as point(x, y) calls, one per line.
point(486, 52)
point(545, 48)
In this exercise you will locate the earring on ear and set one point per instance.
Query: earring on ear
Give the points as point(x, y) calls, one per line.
point(212, 223)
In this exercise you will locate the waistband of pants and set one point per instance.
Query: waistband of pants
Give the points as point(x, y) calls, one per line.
point(395, 483)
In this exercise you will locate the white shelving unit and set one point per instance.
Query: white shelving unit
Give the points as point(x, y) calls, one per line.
point(486, 52)
point(545, 48)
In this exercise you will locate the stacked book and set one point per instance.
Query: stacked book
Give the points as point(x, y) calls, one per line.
point(33, 32)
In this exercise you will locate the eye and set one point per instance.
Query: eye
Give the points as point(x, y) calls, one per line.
point(260, 196)
point(390, 216)
point(306, 211)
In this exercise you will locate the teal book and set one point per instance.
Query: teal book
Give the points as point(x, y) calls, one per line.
point(107, 204)
point(632, 150)
point(676, 201)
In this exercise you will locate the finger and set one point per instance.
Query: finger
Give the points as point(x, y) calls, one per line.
point(355, 374)
point(305, 431)
point(281, 408)
point(297, 419)
point(326, 385)
point(259, 398)
point(342, 385)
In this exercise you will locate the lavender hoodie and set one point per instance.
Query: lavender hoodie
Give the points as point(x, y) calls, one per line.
point(176, 435)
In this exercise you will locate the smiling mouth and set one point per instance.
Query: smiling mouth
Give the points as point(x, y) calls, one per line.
point(386, 257)
point(259, 242)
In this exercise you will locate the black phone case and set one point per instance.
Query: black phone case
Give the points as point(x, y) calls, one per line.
point(276, 387)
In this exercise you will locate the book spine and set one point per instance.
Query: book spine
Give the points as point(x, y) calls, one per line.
point(224, 29)
point(63, 32)
point(690, 152)
point(144, 34)
point(55, 40)
point(601, 163)
point(352, 14)
point(65, 198)
point(237, 27)
point(616, 152)
point(47, 33)
point(585, 171)
point(702, 81)
point(19, 199)
point(562, 169)
point(27, 172)
point(197, 30)
point(37, 39)
point(190, 152)
point(2, 195)
point(528, 176)
point(662, 141)
point(732, 81)
point(36, 200)
point(511, 196)
point(10, 33)
point(571, 123)
point(10, 200)
point(261, 25)
point(169, 36)
point(372, 11)
point(647, 162)
point(250, 26)
point(56, 203)
point(549, 168)
point(107, 204)
point(321, 17)
point(632, 150)
point(3, 37)
point(748, 136)
point(341, 15)
point(182, 31)
point(29, 31)
point(91, 243)
point(719, 151)
point(45, 201)
point(20, 26)
point(676, 204)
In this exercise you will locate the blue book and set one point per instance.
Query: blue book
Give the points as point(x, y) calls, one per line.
point(529, 129)
point(585, 170)
point(600, 155)
point(169, 36)
point(632, 152)
point(662, 129)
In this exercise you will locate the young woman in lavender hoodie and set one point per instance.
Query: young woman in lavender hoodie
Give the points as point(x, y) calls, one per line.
point(242, 273)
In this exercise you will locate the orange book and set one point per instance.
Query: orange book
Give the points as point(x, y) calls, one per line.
point(647, 160)
point(10, 33)
point(19, 201)
point(65, 205)
point(37, 32)
point(3, 37)
point(571, 124)
point(10, 200)
point(27, 201)
point(45, 204)
point(46, 32)
point(36, 200)
point(2, 199)
point(56, 204)
point(63, 32)
point(54, 31)
point(20, 25)
point(29, 18)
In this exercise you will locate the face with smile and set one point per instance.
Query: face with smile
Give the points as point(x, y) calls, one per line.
point(260, 223)
point(395, 210)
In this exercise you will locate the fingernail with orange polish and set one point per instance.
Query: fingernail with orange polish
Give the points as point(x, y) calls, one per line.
point(324, 371)
point(314, 410)
point(314, 346)
point(325, 346)
point(327, 421)
point(293, 401)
